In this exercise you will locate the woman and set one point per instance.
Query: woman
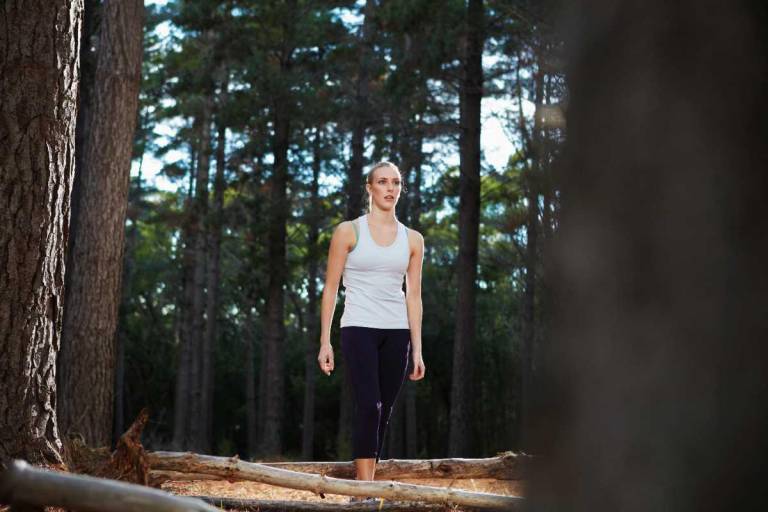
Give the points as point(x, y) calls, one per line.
point(380, 324)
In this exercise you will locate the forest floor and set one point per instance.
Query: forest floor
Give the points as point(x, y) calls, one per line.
point(260, 491)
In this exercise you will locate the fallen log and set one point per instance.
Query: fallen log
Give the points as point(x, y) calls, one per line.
point(22, 485)
point(505, 466)
point(313, 506)
point(157, 477)
point(235, 469)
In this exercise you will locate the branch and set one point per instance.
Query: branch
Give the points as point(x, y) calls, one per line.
point(235, 468)
point(507, 466)
point(24, 485)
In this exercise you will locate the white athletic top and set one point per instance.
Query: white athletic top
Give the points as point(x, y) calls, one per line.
point(373, 280)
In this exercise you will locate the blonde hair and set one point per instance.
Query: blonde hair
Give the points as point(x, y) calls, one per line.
point(369, 177)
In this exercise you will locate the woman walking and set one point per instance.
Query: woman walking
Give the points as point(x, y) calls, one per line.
point(381, 326)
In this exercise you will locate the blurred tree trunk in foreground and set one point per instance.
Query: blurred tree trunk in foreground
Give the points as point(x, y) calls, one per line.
point(99, 201)
point(655, 376)
point(39, 74)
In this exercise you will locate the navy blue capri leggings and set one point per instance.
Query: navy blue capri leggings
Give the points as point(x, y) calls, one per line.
point(375, 362)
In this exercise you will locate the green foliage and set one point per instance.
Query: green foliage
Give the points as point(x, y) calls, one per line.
point(302, 56)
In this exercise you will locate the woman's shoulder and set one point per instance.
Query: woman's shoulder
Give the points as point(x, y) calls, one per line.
point(414, 237)
point(347, 231)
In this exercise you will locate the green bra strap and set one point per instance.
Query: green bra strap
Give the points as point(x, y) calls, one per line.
point(357, 233)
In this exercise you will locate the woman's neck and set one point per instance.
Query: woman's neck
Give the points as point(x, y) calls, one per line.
point(381, 217)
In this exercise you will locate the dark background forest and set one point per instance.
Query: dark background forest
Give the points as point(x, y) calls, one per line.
point(276, 109)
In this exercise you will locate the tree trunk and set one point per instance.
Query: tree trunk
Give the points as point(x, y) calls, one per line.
point(391, 490)
point(250, 382)
point(505, 466)
point(532, 178)
point(271, 441)
point(414, 218)
point(25, 487)
point(199, 297)
point(266, 505)
point(360, 115)
point(95, 259)
point(184, 316)
point(313, 330)
point(658, 351)
point(471, 94)
point(215, 224)
point(39, 59)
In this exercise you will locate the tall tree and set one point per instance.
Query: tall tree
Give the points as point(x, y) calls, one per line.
point(199, 248)
point(470, 97)
point(361, 111)
point(313, 330)
point(214, 229)
point(657, 356)
point(100, 196)
point(39, 73)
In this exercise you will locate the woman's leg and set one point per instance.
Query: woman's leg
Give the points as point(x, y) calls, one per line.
point(361, 363)
point(394, 351)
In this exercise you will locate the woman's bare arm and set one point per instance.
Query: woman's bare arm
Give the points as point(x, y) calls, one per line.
point(413, 300)
point(342, 241)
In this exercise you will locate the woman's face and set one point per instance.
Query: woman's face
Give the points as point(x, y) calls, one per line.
point(385, 188)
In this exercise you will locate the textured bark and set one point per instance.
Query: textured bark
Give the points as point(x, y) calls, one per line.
point(271, 440)
point(215, 224)
point(184, 318)
point(361, 114)
point(505, 466)
point(532, 180)
point(414, 218)
point(39, 72)
point(95, 259)
point(195, 425)
point(261, 505)
point(250, 383)
point(228, 467)
point(313, 328)
point(471, 94)
point(655, 371)
point(24, 487)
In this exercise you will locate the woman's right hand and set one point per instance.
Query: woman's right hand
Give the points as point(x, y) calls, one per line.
point(325, 358)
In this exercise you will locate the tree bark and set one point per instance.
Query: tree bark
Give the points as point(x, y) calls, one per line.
point(181, 405)
point(271, 440)
point(391, 490)
point(260, 505)
point(250, 382)
point(39, 73)
point(313, 331)
point(95, 259)
point(215, 225)
point(532, 179)
point(658, 349)
point(361, 116)
point(471, 94)
point(505, 466)
point(24, 485)
point(195, 420)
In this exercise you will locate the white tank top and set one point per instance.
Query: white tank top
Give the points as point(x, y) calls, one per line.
point(373, 281)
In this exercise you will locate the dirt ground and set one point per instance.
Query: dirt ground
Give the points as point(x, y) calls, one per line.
point(256, 490)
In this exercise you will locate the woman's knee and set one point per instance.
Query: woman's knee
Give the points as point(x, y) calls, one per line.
point(370, 410)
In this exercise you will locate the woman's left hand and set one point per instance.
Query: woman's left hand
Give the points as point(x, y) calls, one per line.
point(418, 367)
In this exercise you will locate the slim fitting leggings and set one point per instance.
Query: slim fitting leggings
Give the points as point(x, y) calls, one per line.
point(375, 362)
